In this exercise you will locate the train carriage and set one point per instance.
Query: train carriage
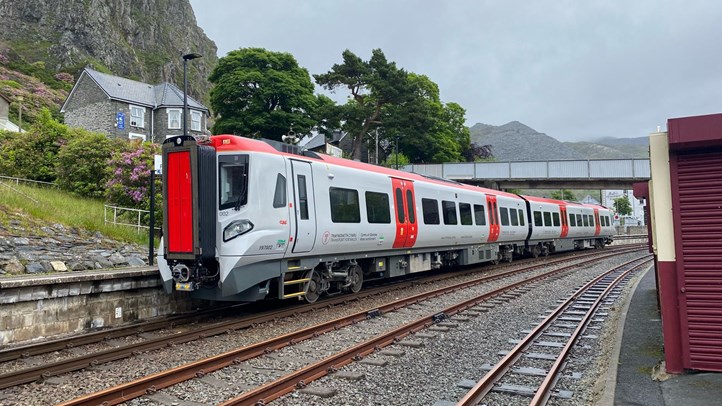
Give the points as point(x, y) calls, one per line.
point(246, 220)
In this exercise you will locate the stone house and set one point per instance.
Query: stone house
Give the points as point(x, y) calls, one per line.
point(124, 108)
point(5, 123)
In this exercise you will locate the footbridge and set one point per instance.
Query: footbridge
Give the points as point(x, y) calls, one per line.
point(577, 174)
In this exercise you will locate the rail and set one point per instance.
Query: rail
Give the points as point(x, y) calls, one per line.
point(121, 214)
point(18, 180)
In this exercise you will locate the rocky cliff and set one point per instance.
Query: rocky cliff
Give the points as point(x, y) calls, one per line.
point(138, 39)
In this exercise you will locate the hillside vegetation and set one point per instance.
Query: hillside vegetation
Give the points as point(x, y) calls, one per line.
point(52, 205)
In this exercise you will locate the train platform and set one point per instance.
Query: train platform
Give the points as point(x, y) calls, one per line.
point(639, 379)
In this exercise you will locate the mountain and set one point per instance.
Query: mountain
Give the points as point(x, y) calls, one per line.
point(515, 141)
point(141, 39)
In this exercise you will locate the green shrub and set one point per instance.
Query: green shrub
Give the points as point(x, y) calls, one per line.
point(32, 154)
point(82, 164)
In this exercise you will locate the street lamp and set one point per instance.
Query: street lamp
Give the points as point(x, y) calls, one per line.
point(397, 152)
point(20, 113)
point(186, 58)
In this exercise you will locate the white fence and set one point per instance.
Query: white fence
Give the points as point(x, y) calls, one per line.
point(124, 216)
point(17, 181)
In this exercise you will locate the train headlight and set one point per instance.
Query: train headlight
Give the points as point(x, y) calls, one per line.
point(236, 228)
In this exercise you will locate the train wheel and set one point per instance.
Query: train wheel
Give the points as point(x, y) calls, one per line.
point(314, 287)
point(356, 277)
point(535, 251)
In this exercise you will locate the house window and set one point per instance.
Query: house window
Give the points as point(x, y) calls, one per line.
point(174, 119)
point(195, 120)
point(135, 136)
point(137, 116)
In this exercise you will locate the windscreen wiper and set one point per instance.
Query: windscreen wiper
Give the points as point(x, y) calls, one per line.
point(244, 188)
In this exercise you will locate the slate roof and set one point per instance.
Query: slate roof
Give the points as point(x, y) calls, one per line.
point(132, 91)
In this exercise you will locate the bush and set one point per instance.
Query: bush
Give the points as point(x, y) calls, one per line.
point(87, 176)
point(129, 182)
point(32, 154)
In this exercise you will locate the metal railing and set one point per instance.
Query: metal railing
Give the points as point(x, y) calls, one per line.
point(34, 182)
point(122, 216)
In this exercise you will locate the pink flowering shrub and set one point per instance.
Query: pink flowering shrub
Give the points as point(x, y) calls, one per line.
point(65, 77)
point(129, 181)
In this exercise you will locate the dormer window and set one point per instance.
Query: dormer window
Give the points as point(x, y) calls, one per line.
point(174, 119)
point(137, 116)
point(195, 120)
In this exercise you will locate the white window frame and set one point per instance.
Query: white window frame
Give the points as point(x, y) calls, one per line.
point(180, 119)
point(140, 123)
point(196, 124)
point(136, 136)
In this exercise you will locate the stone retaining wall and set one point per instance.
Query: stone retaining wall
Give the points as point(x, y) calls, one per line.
point(51, 305)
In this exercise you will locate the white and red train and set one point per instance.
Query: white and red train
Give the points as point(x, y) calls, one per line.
point(244, 221)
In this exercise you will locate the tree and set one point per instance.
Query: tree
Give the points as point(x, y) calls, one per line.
point(622, 206)
point(373, 84)
point(261, 93)
point(563, 194)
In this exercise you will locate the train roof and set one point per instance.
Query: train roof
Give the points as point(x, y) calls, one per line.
point(228, 143)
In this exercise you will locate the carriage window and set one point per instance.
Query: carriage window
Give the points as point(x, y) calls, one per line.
point(586, 220)
point(430, 207)
point(344, 205)
point(538, 219)
point(465, 214)
point(410, 206)
point(232, 182)
point(400, 206)
point(579, 220)
point(572, 220)
point(279, 197)
point(591, 220)
point(479, 215)
point(555, 216)
point(513, 217)
point(504, 216)
point(377, 208)
point(547, 219)
point(302, 197)
point(449, 209)
point(521, 217)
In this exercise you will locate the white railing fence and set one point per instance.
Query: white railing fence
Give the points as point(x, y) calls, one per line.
point(125, 216)
point(17, 181)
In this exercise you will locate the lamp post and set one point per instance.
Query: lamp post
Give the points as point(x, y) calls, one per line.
point(20, 113)
point(397, 152)
point(186, 58)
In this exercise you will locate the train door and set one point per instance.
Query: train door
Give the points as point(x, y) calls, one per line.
point(565, 221)
point(406, 225)
point(305, 208)
point(597, 225)
point(494, 228)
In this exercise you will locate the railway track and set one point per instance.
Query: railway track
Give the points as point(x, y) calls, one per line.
point(89, 359)
point(573, 314)
point(304, 375)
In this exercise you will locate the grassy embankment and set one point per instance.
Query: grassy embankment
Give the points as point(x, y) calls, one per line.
point(56, 206)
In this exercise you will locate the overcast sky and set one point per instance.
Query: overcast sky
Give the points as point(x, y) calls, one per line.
point(575, 70)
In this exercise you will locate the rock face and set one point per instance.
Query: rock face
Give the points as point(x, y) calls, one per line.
point(515, 141)
point(138, 39)
point(27, 247)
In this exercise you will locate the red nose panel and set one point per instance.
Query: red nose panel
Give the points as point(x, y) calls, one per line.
point(180, 202)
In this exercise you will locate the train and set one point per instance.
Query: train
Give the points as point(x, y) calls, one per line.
point(247, 219)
